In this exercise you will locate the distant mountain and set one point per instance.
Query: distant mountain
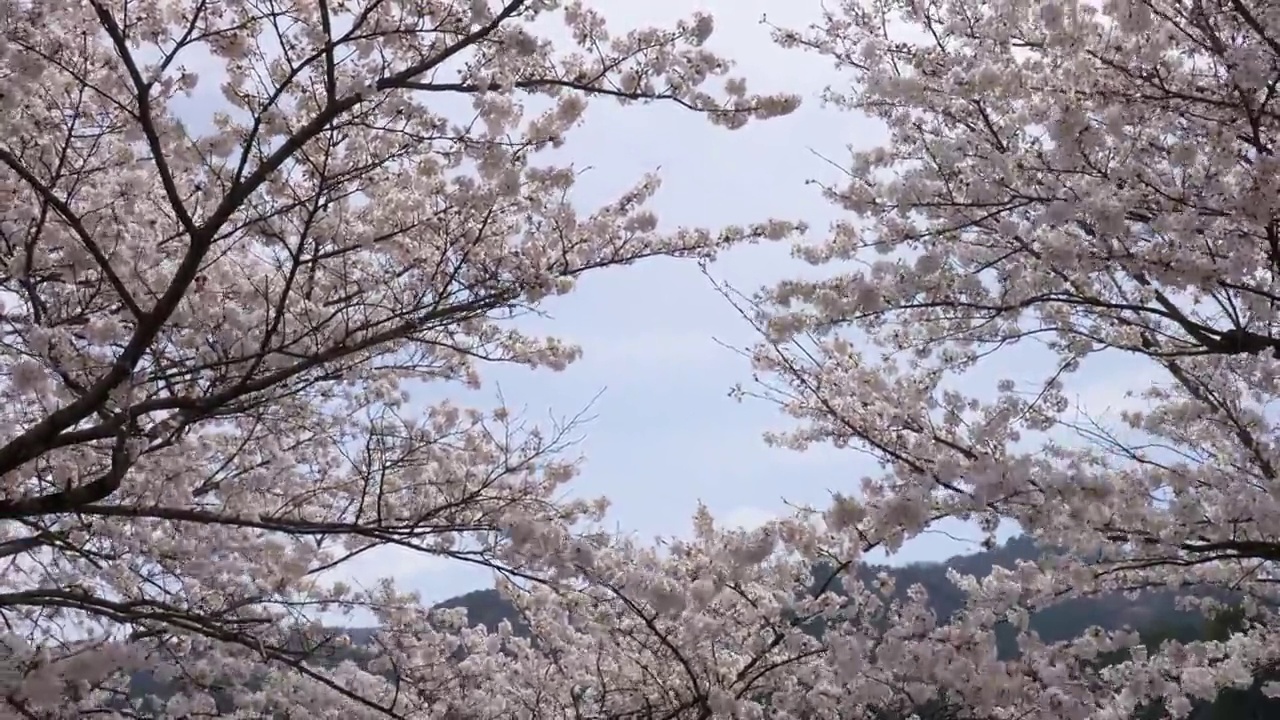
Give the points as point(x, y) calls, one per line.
point(485, 607)
point(1063, 621)
point(1150, 611)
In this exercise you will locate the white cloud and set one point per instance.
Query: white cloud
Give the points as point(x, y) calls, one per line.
point(747, 517)
point(368, 568)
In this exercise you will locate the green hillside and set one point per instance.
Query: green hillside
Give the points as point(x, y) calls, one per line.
point(1154, 614)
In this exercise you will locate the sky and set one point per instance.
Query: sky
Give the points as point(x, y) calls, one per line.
point(656, 372)
point(666, 435)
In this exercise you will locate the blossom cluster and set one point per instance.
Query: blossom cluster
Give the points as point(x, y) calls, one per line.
point(240, 238)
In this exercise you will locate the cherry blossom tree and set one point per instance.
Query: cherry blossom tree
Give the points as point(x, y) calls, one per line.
point(733, 623)
point(755, 623)
point(237, 235)
point(1068, 188)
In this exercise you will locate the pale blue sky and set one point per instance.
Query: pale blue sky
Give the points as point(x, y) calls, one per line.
point(666, 435)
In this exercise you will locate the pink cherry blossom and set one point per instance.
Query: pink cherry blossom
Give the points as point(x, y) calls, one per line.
point(237, 236)
point(1066, 185)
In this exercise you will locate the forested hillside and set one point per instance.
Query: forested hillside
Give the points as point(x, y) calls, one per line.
point(1155, 615)
point(1067, 619)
